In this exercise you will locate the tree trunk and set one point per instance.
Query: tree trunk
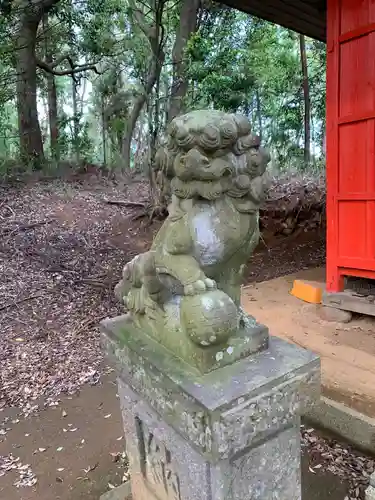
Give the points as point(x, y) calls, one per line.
point(52, 97)
point(259, 113)
point(84, 85)
point(118, 141)
point(75, 120)
point(130, 126)
point(180, 84)
point(155, 118)
point(104, 138)
point(306, 97)
point(155, 37)
point(153, 132)
point(165, 100)
point(31, 144)
point(53, 117)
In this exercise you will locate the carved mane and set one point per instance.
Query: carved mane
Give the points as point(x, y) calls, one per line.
point(201, 138)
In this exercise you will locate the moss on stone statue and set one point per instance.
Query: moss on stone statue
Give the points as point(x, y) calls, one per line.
point(185, 291)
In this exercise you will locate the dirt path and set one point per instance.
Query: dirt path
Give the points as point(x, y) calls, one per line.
point(74, 449)
point(347, 351)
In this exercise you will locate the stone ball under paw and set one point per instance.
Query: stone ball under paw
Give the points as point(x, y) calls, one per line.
point(209, 318)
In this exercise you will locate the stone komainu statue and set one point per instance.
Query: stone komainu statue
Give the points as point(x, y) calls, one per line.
point(188, 284)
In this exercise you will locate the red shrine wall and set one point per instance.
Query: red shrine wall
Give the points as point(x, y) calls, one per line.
point(350, 141)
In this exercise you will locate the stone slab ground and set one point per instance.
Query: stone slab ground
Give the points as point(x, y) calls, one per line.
point(347, 350)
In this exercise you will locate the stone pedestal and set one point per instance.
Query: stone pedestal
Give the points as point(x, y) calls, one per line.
point(230, 434)
point(370, 491)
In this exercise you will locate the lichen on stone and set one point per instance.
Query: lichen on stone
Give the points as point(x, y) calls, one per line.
point(188, 284)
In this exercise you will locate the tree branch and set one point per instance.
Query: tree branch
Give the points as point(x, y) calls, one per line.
point(140, 18)
point(73, 68)
point(32, 9)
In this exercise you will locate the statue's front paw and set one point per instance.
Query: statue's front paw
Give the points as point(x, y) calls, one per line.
point(200, 286)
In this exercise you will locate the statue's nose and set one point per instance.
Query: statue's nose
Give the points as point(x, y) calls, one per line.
point(195, 157)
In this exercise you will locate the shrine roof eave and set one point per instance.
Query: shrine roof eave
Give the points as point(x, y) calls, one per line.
point(304, 16)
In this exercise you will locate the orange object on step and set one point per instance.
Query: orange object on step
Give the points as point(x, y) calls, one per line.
point(309, 291)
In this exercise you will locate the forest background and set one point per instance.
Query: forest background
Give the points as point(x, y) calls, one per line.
point(87, 81)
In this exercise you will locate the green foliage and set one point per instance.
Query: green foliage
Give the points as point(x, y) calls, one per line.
point(218, 63)
point(235, 62)
point(239, 63)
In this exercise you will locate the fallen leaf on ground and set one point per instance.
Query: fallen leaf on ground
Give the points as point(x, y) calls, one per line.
point(116, 456)
point(10, 463)
point(91, 468)
point(338, 459)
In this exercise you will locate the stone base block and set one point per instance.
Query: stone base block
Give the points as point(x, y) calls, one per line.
point(334, 315)
point(166, 466)
point(230, 434)
point(350, 301)
point(370, 493)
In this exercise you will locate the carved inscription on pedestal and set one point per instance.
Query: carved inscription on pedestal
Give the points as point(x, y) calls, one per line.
point(157, 465)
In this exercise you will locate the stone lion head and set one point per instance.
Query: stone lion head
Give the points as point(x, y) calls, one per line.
point(210, 153)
